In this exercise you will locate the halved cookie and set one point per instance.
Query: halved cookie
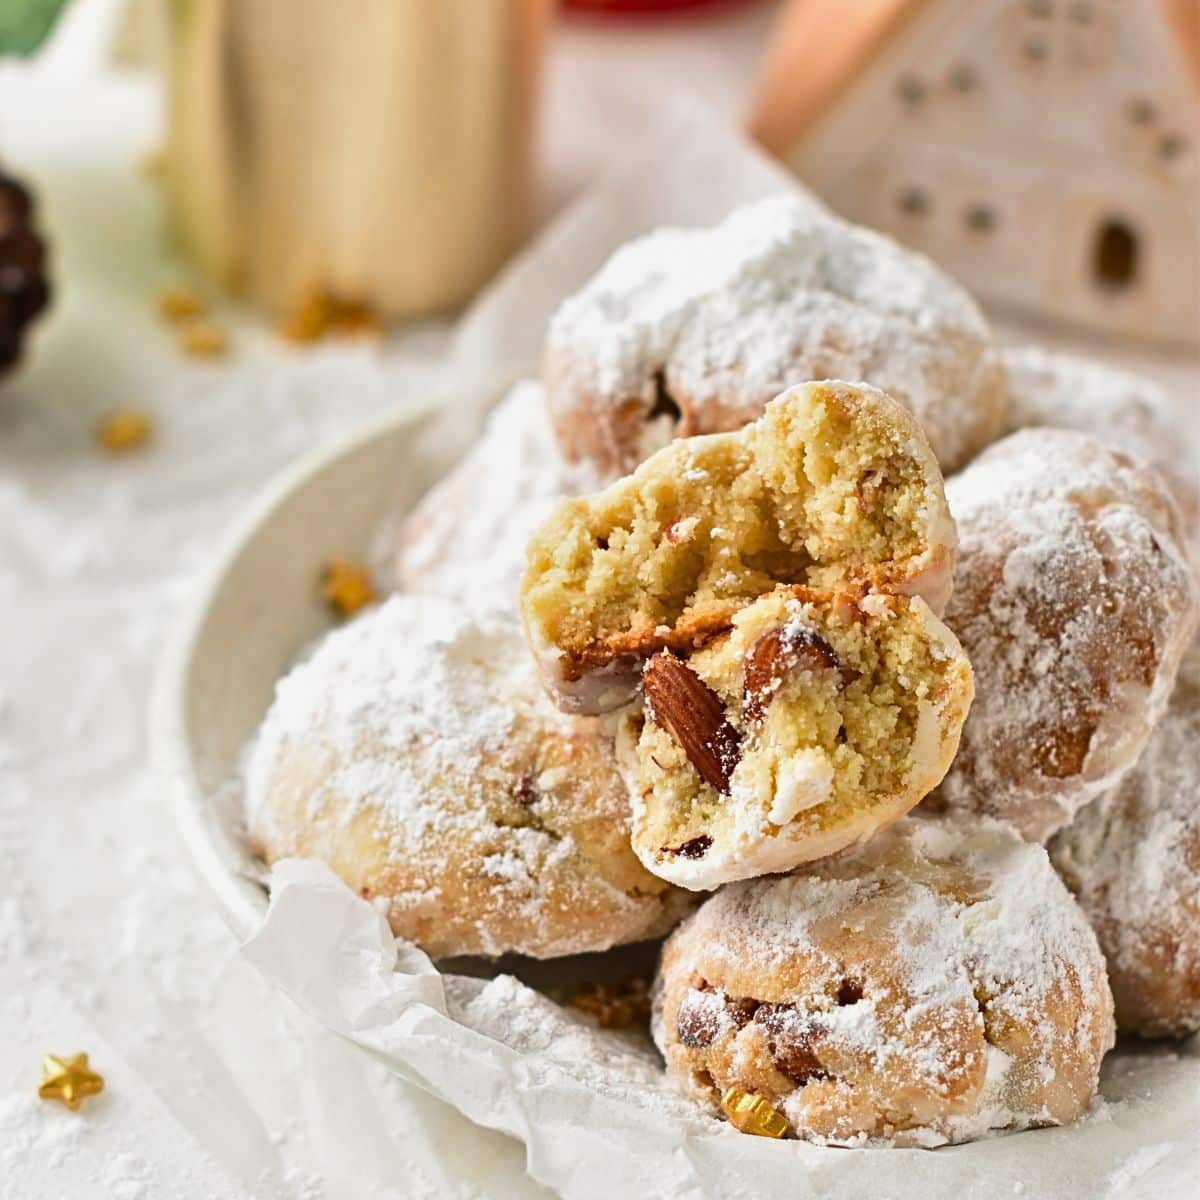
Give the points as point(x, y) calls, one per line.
point(817, 720)
point(834, 485)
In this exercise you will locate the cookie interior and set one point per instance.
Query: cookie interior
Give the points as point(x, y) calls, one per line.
point(842, 732)
point(831, 484)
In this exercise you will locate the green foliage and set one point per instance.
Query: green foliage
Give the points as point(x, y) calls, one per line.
point(25, 24)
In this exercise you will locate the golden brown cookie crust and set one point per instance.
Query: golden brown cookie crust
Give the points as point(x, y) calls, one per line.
point(417, 755)
point(1133, 860)
point(934, 984)
point(1074, 601)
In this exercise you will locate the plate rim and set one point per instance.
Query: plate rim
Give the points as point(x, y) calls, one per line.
point(241, 900)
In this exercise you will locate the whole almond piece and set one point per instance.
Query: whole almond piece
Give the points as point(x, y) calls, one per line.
point(774, 656)
point(681, 702)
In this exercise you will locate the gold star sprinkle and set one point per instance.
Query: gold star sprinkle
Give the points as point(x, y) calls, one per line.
point(346, 587)
point(179, 303)
point(750, 1113)
point(69, 1080)
point(123, 430)
point(200, 338)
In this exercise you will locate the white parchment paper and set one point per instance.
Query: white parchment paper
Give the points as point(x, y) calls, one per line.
point(599, 1120)
point(593, 1108)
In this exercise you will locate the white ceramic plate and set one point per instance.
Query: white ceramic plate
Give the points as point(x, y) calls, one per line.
point(260, 606)
point(256, 613)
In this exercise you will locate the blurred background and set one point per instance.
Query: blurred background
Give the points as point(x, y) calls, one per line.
point(231, 230)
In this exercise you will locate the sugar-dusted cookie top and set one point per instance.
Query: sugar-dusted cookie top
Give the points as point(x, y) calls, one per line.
point(690, 331)
point(935, 983)
point(1074, 602)
point(416, 753)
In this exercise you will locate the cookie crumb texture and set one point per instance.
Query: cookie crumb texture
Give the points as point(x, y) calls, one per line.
point(937, 983)
point(834, 484)
point(1133, 860)
point(417, 755)
point(693, 331)
point(1074, 601)
point(815, 722)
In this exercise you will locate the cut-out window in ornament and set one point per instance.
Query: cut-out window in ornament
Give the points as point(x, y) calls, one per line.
point(980, 218)
point(1035, 50)
point(1141, 111)
point(913, 202)
point(963, 78)
point(1172, 147)
point(1115, 255)
point(910, 90)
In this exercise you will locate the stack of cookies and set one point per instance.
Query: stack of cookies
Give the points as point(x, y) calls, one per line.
point(686, 639)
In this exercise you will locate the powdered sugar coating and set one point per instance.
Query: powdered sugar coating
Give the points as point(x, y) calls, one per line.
point(416, 753)
point(1074, 602)
point(1121, 409)
point(725, 318)
point(1133, 860)
point(936, 983)
point(467, 536)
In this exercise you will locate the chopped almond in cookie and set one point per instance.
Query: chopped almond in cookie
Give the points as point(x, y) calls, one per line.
point(835, 484)
point(814, 722)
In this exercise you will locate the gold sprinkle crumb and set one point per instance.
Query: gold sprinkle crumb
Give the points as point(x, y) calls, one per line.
point(620, 1005)
point(124, 430)
point(199, 338)
point(318, 313)
point(179, 303)
point(346, 587)
point(750, 1113)
point(307, 319)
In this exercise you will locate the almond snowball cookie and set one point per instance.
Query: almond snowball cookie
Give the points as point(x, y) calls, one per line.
point(833, 485)
point(417, 755)
point(466, 537)
point(813, 723)
point(1120, 409)
point(1074, 602)
point(935, 984)
point(1133, 860)
point(692, 331)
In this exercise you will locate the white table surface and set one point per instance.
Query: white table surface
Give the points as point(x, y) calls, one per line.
point(216, 1087)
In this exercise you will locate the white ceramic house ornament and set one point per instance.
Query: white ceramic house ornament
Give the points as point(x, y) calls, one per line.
point(1047, 152)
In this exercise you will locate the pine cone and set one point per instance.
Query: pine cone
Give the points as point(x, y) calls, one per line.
point(24, 289)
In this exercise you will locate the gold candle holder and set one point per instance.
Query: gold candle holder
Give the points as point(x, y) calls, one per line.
point(377, 151)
